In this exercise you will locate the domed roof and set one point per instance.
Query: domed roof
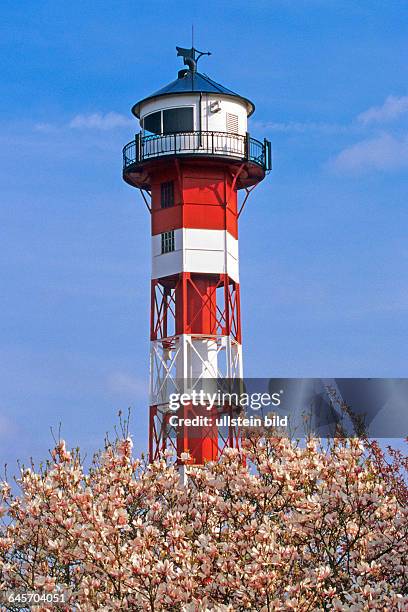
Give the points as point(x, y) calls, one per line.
point(191, 81)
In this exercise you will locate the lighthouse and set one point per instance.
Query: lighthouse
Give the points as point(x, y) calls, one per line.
point(190, 159)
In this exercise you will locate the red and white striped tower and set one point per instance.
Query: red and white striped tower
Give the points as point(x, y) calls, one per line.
point(190, 159)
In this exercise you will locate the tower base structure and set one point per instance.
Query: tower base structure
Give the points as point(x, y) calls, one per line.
point(203, 438)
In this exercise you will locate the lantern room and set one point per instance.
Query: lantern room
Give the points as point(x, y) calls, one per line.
point(195, 116)
point(193, 103)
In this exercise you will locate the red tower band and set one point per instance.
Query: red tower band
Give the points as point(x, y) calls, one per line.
point(189, 172)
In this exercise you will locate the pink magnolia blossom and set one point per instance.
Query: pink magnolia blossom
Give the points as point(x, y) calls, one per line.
point(275, 526)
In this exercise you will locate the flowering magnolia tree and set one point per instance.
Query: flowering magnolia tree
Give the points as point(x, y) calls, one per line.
point(276, 526)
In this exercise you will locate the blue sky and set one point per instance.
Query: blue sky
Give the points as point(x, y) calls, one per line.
point(323, 241)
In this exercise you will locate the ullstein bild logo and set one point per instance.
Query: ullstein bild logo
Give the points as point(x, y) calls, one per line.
point(253, 401)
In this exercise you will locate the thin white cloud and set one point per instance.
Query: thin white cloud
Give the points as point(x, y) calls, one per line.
point(302, 127)
point(7, 427)
point(92, 121)
point(384, 153)
point(393, 108)
point(44, 127)
point(124, 383)
point(100, 121)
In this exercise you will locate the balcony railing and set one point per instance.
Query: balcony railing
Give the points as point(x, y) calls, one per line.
point(222, 144)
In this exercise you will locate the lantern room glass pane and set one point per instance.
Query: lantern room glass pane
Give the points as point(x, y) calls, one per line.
point(178, 120)
point(152, 123)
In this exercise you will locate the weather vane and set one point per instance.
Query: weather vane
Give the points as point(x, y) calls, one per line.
point(191, 56)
